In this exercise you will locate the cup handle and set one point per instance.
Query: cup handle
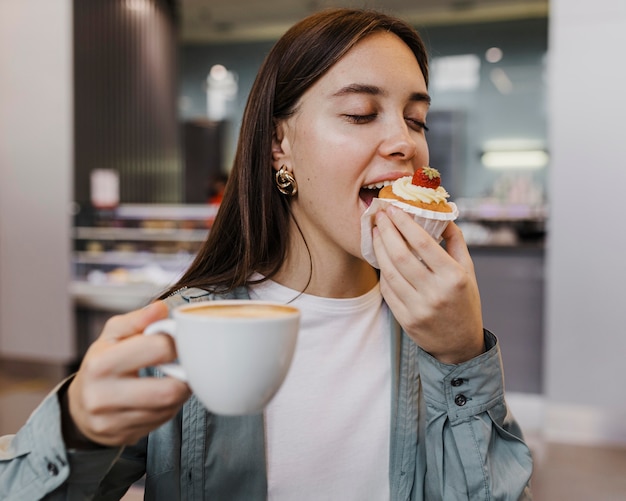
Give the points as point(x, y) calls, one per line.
point(167, 326)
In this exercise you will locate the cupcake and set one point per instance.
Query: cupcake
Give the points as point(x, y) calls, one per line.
point(422, 196)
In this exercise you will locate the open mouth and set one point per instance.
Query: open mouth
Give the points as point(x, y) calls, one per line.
point(370, 191)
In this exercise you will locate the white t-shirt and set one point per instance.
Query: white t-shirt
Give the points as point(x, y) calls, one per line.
point(327, 428)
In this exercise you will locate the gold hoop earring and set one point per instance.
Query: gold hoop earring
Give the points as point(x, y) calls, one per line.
point(285, 182)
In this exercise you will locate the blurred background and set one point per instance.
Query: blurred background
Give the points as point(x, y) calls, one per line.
point(118, 125)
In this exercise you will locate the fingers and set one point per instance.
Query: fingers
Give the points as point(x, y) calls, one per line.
point(401, 235)
point(120, 410)
point(396, 285)
point(121, 394)
point(432, 291)
point(125, 427)
point(456, 245)
point(120, 350)
point(128, 356)
point(107, 401)
point(403, 248)
point(122, 326)
point(416, 238)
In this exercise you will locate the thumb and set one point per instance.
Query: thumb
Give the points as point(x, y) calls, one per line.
point(455, 244)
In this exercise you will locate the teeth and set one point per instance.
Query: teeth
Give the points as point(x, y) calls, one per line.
point(377, 186)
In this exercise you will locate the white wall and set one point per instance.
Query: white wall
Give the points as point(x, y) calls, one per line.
point(586, 271)
point(36, 142)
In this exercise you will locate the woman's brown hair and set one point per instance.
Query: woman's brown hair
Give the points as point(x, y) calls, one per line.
point(251, 231)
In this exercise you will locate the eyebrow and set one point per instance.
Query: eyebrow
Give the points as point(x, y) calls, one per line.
point(372, 90)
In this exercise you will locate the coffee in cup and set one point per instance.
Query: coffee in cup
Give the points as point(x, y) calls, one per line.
point(234, 354)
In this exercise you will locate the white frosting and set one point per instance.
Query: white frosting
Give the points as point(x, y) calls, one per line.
point(404, 188)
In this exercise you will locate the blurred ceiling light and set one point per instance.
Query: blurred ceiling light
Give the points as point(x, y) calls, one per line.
point(218, 72)
point(501, 81)
point(493, 54)
point(512, 159)
point(221, 88)
point(137, 5)
point(455, 73)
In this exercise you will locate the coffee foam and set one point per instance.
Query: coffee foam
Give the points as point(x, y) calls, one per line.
point(240, 310)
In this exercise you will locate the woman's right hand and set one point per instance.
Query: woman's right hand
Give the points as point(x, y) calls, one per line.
point(432, 291)
point(107, 403)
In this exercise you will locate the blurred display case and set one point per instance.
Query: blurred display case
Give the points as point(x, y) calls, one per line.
point(126, 256)
point(507, 244)
point(490, 222)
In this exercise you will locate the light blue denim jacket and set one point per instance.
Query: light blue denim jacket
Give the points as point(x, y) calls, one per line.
point(452, 438)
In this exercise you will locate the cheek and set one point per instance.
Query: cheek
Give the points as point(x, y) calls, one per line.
point(322, 135)
point(423, 151)
point(323, 156)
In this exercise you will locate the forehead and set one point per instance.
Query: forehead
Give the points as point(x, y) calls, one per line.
point(379, 59)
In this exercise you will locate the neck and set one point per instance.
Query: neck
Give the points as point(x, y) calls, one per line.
point(324, 273)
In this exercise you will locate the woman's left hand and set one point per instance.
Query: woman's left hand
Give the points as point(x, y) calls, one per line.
point(432, 291)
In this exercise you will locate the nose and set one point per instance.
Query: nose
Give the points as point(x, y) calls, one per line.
point(399, 141)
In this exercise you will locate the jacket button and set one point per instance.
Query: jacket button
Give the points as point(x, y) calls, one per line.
point(460, 400)
point(457, 381)
point(53, 469)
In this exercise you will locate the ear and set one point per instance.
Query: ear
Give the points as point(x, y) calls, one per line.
point(281, 148)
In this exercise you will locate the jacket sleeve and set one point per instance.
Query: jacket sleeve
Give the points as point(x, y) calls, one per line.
point(34, 463)
point(473, 448)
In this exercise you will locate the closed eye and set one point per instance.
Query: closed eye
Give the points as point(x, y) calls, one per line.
point(417, 125)
point(361, 119)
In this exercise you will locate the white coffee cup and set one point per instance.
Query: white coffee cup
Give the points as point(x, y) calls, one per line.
point(234, 354)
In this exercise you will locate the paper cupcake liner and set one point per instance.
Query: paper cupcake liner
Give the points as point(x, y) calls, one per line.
point(432, 221)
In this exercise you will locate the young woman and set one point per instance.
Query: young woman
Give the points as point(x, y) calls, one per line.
point(395, 392)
